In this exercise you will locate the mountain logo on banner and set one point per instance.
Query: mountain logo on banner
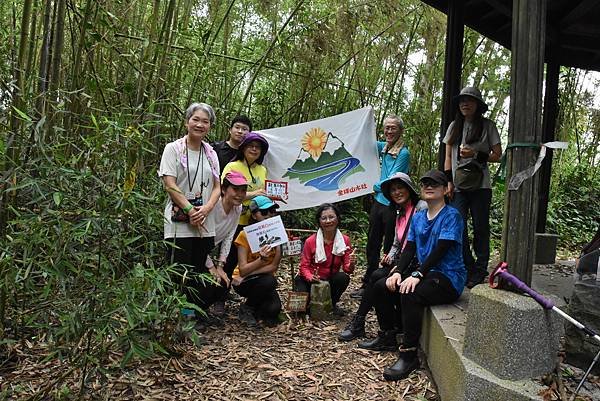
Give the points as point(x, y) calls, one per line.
point(323, 162)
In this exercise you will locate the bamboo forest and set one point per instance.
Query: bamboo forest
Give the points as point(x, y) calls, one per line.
point(92, 91)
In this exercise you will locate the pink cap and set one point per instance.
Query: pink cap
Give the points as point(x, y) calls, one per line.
point(235, 178)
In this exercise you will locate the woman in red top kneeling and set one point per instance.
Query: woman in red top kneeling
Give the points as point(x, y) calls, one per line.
point(327, 255)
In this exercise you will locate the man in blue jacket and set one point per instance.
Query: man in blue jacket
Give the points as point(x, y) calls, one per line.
point(394, 157)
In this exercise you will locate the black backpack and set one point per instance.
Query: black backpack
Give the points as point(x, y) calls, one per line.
point(588, 262)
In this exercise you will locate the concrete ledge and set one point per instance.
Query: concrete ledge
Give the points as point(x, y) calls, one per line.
point(458, 378)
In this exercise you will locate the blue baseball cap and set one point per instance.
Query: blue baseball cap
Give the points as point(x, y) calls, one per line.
point(262, 203)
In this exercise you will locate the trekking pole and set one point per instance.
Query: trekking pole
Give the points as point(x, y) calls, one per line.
point(501, 271)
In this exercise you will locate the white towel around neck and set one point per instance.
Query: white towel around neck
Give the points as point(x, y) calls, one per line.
point(339, 246)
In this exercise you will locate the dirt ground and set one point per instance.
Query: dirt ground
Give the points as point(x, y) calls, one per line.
point(297, 360)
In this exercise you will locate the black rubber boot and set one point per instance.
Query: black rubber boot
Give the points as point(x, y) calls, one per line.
point(406, 363)
point(385, 341)
point(354, 329)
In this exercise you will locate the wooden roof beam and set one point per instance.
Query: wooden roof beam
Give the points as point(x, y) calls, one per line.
point(500, 7)
point(579, 43)
point(582, 29)
point(585, 62)
point(579, 11)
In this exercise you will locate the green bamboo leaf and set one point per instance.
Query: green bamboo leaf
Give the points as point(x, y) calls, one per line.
point(22, 114)
point(57, 196)
point(127, 357)
point(132, 240)
point(95, 122)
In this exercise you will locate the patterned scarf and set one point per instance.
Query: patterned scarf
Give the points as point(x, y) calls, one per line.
point(394, 150)
point(210, 153)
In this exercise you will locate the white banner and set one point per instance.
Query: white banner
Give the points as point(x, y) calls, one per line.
point(327, 160)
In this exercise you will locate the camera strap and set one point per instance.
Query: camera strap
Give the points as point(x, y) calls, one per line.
point(187, 162)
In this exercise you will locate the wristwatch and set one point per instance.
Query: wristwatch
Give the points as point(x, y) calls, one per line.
point(417, 274)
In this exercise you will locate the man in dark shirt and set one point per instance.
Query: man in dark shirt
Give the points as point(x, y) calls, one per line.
point(226, 150)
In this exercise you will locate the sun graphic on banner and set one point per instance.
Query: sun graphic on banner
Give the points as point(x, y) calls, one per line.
point(314, 142)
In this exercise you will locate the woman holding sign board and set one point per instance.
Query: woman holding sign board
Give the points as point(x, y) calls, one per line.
point(327, 255)
point(254, 276)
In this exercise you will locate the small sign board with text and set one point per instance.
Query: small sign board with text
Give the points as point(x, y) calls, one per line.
point(292, 248)
point(267, 232)
point(277, 190)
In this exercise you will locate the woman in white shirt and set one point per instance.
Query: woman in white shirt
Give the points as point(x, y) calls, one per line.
point(189, 169)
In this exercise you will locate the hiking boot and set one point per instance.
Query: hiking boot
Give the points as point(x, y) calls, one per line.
point(407, 362)
point(271, 322)
point(233, 297)
point(205, 321)
point(246, 315)
point(385, 341)
point(337, 311)
point(476, 277)
point(358, 293)
point(354, 329)
point(218, 309)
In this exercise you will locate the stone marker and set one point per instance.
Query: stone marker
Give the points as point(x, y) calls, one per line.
point(510, 334)
point(545, 248)
point(320, 301)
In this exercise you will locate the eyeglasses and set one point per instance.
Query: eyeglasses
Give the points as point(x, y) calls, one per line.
point(430, 184)
point(266, 212)
point(327, 218)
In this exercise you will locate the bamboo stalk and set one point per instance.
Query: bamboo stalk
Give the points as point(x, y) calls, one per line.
point(269, 50)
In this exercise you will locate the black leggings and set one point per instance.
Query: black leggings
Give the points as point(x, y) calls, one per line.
point(434, 289)
point(368, 299)
point(382, 222)
point(261, 294)
point(232, 259)
point(192, 252)
point(338, 283)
